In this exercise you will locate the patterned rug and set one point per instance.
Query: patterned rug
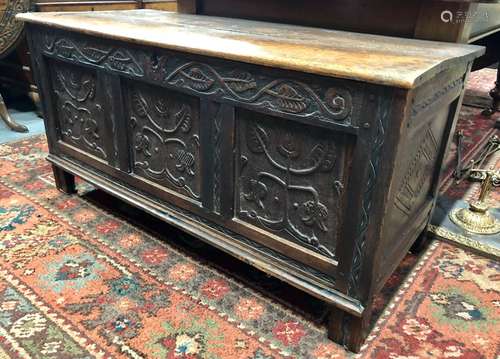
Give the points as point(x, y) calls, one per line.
point(88, 276)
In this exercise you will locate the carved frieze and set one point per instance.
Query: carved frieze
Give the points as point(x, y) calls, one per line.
point(234, 82)
point(290, 180)
point(427, 102)
point(277, 95)
point(93, 53)
point(164, 131)
point(80, 114)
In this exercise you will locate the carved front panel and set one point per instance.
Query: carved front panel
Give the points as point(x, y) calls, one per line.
point(164, 135)
point(290, 180)
point(80, 113)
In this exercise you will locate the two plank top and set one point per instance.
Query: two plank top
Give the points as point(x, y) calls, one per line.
point(375, 59)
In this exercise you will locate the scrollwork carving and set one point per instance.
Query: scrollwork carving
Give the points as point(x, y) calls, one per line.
point(165, 138)
point(229, 81)
point(279, 95)
point(240, 81)
point(79, 113)
point(117, 59)
point(289, 182)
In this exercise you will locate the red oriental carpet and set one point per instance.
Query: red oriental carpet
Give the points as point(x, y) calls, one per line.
point(87, 276)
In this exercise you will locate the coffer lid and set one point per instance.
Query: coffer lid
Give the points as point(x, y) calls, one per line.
point(391, 61)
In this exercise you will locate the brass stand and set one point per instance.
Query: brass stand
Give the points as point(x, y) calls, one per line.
point(477, 219)
point(472, 226)
point(4, 115)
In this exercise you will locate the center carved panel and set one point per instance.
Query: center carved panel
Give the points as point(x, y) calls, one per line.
point(79, 111)
point(290, 180)
point(165, 137)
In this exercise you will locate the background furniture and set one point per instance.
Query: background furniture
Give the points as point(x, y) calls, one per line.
point(471, 21)
point(314, 155)
point(5, 117)
point(15, 72)
point(10, 35)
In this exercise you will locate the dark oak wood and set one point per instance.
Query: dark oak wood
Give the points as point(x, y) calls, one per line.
point(311, 154)
point(65, 181)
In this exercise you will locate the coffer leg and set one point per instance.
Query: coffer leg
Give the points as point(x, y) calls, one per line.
point(347, 329)
point(420, 243)
point(4, 115)
point(65, 182)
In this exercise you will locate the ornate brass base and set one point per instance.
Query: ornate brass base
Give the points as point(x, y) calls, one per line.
point(479, 222)
point(444, 228)
point(477, 218)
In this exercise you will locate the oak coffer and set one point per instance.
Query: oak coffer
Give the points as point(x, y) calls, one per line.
point(312, 154)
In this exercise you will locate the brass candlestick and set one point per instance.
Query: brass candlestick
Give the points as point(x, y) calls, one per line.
point(477, 219)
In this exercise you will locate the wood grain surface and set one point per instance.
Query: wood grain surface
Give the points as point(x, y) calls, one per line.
point(375, 59)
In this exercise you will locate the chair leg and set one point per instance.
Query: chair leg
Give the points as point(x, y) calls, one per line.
point(495, 95)
point(4, 115)
point(35, 98)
